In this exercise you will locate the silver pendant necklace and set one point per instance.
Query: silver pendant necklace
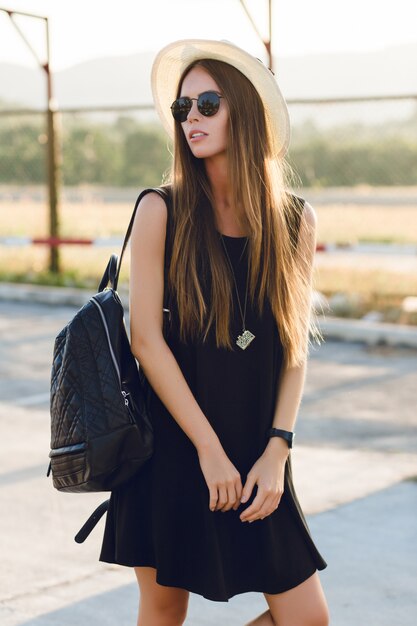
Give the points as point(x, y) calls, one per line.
point(246, 337)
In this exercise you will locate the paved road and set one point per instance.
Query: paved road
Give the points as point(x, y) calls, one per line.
point(354, 464)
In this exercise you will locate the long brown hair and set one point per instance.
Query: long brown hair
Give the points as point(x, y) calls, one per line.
point(263, 208)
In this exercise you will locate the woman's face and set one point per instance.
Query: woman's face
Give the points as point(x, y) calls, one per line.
point(206, 136)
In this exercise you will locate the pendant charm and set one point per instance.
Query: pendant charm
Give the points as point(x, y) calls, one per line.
point(244, 339)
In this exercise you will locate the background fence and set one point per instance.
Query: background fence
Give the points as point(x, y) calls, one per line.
point(334, 143)
point(356, 161)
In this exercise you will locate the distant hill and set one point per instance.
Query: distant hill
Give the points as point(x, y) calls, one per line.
point(106, 81)
point(125, 80)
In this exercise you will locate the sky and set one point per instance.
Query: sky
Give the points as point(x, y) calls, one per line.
point(88, 29)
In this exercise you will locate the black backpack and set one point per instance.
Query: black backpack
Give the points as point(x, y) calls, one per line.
point(101, 433)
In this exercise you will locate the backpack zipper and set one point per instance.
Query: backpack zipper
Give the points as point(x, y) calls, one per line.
point(113, 356)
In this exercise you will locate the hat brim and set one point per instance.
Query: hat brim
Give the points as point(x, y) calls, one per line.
point(171, 61)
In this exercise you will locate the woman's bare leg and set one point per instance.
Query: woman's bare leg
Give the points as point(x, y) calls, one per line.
point(304, 605)
point(159, 605)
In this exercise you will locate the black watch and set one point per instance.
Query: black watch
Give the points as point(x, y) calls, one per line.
point(284, 434)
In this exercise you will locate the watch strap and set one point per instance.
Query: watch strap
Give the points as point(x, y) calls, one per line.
point(284, 434)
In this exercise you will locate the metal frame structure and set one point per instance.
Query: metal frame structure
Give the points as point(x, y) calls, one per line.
point(52, 160)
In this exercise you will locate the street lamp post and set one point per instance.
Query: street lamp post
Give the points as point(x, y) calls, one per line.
point(52, 160)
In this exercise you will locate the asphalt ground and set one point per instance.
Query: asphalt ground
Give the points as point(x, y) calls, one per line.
point(355, 472)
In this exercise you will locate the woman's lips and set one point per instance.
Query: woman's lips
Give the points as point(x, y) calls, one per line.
point(196, 135)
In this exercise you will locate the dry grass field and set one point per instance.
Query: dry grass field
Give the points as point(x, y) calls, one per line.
point(352, 224)
point(377, 280)
point(337, 223)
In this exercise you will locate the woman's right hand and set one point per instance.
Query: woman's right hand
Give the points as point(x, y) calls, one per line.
point(222, 478)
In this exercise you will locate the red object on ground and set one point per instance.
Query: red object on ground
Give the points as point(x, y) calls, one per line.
point(57, 241)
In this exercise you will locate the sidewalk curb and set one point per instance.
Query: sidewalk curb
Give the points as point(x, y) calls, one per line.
point(342, 329)
point(371, 333)
point(53, 296)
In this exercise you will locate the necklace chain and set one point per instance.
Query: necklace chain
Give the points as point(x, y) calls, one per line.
point(243, 340)
point(243, 315)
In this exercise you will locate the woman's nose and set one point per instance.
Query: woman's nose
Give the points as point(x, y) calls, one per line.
point(194, 112)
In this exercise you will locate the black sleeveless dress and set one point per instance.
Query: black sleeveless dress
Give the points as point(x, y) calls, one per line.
point(161, 517)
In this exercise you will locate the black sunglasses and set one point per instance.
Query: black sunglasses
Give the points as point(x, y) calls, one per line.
point(208, 104)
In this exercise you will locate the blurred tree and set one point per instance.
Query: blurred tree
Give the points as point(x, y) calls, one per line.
point(90, 155)
point(145, 157)
point(128, 153)
point(22, 152)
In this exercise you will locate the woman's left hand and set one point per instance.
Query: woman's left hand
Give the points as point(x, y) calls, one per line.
point(268, 474)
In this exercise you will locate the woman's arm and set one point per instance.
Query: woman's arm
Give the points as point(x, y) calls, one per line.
point(146, 321)
point(290, 390)
point(291, 383)
point(157, 360)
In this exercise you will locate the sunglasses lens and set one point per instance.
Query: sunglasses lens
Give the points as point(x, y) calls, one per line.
point(180, 108)
point(208, 103)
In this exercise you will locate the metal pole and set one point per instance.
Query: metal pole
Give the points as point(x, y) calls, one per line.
point(269, 48)
point(54, 265)
point(52, 161)
point(267, 42)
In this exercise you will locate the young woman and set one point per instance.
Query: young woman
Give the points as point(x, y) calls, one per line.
point(230, 250)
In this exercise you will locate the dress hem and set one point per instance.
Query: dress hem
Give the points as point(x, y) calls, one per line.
point(212, 597)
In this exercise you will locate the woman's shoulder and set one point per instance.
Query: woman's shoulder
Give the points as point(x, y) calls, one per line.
point(153, 209)
point(152, 193)
point(153, 217)
point(298, 210)
point(300, 207)
point(155, 201)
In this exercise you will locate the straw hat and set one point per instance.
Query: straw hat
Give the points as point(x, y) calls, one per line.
point(172, 60)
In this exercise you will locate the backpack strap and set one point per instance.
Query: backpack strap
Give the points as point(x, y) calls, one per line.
point(111, 275)
point(94, 518)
